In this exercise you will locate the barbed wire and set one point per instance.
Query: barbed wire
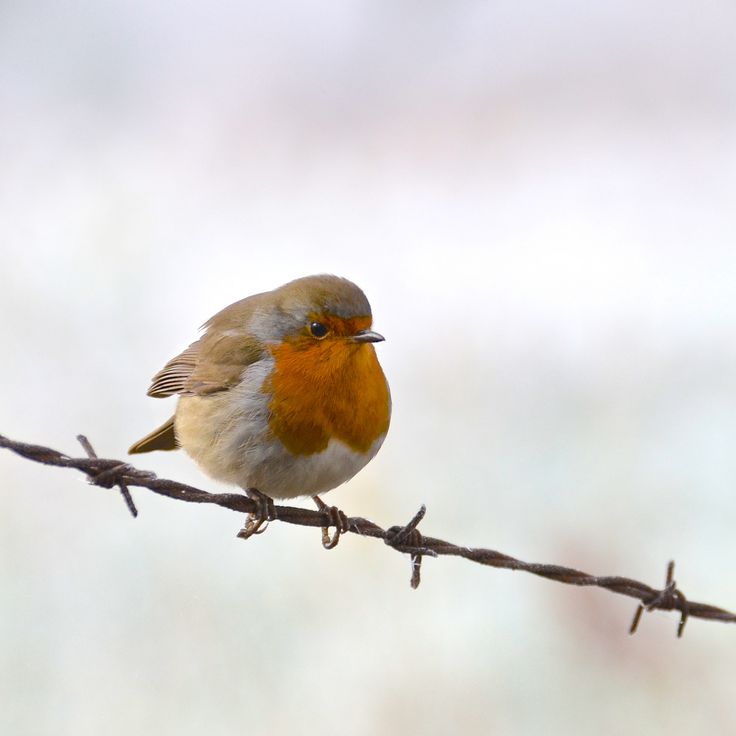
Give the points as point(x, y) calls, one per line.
point(405, 538)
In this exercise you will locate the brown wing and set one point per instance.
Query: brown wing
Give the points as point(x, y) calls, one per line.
point(217, 360)
point(221, 361)
point(172, 378)
point(214, 363)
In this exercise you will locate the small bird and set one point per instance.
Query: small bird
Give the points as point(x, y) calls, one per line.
point(283, 395)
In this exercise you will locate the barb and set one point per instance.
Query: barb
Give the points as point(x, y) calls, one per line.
point(405, 539)
point(101, 478)
point(665, 599)
point(409, 539)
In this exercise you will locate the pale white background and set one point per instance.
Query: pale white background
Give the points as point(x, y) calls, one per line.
point(538, 199)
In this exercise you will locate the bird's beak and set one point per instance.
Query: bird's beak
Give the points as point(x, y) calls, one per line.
point(367, 336)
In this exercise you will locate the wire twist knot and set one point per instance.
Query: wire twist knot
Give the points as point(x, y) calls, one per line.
point(409, 539)
point(109, 475)
point(667, 599)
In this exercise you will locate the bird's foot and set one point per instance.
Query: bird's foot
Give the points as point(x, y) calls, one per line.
point(338, 519)
point(255, 521)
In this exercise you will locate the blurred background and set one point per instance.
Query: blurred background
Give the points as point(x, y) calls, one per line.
point(538, 200)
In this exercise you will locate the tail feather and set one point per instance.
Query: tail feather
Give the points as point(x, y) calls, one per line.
point(162, 438)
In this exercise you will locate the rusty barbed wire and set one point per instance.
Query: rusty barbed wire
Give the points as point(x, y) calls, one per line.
point(406, 538)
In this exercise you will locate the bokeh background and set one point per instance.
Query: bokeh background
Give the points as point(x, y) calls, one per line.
point(538, 198)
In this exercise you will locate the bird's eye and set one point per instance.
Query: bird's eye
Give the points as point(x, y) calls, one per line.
point(318, 330)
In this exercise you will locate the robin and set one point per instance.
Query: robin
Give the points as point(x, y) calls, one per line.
point(283, 395)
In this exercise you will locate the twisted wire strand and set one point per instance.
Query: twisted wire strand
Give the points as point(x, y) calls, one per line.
point(406, 538)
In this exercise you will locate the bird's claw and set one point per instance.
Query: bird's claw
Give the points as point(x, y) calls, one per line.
point(257, 521)
point(338, 519)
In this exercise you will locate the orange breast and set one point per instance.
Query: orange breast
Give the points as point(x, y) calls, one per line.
point(325, 390)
